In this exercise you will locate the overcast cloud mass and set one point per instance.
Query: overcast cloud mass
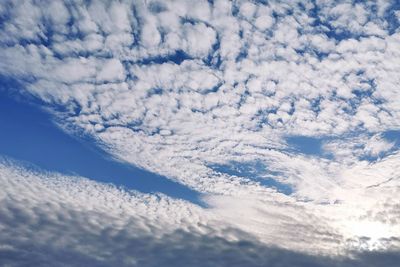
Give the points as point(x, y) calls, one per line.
point(283, 116)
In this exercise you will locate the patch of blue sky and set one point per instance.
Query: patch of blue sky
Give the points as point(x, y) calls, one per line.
point(311, 50)
point(305, 145)
point(392, 136)
point(255, 171)
point(177, 57)
point(313, 146)
point(29, 135)
point(393, 23)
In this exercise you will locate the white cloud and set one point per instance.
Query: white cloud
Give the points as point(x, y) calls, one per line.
point(282, 84)
point(111, 71)
point(275, 71)
point(199, 39)
point(100, 224)
point(377, 145)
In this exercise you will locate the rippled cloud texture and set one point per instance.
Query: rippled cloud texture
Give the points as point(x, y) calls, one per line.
point(283, 115)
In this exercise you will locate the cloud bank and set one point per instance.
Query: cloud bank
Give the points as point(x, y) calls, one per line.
point(48, 219)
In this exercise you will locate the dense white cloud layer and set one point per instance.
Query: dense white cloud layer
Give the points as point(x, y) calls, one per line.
point(177, 87)
point(49, 219)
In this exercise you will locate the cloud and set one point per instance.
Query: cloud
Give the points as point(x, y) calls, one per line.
point(111, 71)
point(176, 87)
point(50, 219)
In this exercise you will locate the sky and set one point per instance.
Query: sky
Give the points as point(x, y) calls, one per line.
point(199, 133)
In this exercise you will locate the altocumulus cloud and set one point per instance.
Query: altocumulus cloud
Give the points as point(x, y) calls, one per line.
point(214, 95)
point(49, 219)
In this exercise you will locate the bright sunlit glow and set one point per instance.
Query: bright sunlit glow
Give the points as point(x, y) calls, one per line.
point(373, 232)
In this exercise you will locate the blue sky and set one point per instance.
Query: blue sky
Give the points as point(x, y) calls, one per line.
point(141, 133)
point(30, 135)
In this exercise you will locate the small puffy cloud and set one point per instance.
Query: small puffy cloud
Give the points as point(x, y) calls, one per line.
point(377, 145)
point(199, 39)
point(111, 71)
